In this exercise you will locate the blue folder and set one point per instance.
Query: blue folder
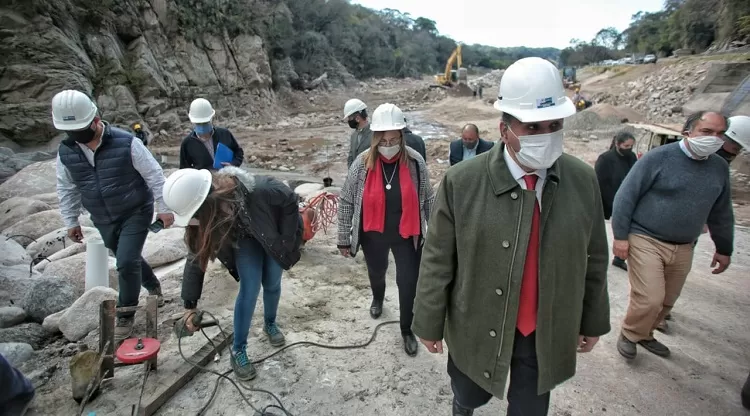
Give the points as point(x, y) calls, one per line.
point(223, 154)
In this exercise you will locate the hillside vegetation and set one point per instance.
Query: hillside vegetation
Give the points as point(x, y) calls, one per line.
point(691, 25)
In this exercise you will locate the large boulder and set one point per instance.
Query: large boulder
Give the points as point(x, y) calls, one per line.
point(15, 282)
point(47, 296)
point(165, 247)
point(29, 333)
point(17, 208)
point(73, 269)
point(11, 315)
point(37, 178)
point(16, 352)
point(37, 225)
point(12, 253)
point(52, 322)
point(83, 316)
point(68, 251)
point(57, 240)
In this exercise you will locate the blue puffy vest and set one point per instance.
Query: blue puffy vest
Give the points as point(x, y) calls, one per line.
point(113, 189)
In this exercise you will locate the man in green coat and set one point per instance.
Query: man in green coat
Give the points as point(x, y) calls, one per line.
point(511, 284)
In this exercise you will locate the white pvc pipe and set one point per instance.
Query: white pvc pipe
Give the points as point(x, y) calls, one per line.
point(97, 265)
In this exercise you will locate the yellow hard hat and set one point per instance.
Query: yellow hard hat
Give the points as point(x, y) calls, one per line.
point(136, 126)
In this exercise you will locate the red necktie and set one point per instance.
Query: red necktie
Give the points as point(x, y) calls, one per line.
point(527, 303)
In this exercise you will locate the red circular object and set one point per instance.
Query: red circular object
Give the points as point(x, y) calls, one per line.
point(129, 354)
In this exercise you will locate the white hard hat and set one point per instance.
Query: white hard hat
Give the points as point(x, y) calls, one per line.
point(201, 111)
point(72, 110)
point(387, 117)
point(184, 192)
point(739, 130)
point(352, 106)
point(531, 90)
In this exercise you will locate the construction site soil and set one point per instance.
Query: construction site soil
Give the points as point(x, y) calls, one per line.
point(326, 299)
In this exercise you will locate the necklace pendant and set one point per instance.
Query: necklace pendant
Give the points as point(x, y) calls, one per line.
point(388, 186)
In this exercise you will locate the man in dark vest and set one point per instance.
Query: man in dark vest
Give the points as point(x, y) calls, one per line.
point(468, 146)
point(116, 179)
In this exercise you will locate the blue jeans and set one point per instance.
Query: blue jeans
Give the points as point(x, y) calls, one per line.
point(255, 267)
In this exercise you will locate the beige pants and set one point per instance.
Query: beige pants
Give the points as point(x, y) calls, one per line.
point(657, 272)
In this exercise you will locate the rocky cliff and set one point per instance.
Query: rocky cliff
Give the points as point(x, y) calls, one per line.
point(141, 60)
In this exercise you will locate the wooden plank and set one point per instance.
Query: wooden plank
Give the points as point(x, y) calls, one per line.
point(107, 337)
point(183, 374)
point(152, 312)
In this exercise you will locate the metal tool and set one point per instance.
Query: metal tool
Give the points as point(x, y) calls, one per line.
point(196, 319)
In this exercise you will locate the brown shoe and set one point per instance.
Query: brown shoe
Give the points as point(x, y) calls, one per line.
point(123, 329)
point(626, 347)
point(655, 347)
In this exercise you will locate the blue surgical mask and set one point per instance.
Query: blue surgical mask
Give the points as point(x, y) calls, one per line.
point(203, 129)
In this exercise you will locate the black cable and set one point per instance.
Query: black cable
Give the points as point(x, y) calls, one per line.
point(225, 375)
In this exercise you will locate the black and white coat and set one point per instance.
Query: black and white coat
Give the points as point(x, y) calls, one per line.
point(350, 200)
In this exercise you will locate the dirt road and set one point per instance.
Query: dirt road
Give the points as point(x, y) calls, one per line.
point(326, 299)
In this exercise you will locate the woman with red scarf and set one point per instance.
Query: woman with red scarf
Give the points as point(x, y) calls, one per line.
point(384, 207)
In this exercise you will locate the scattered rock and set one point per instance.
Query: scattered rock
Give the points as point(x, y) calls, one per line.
point(17, 208)
point(16, 352)
point(83, 316)
point(29, 333)
point(83, 367)
point(165, 247)
point(12, 253)
point(11, 315)
point(47, 296)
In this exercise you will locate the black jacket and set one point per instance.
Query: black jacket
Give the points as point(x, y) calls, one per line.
point(611, 169)
point(112, 189)
point(457, 149)
point(415, 142)
point(193, 153)
point(269, 214)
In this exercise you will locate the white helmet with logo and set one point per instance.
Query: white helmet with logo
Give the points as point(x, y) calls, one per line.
point(185, 191)
point(352, 106)
point(72, 110)
point(739, 130)
point(201, 111)
point(387, 117)
point(531, 90)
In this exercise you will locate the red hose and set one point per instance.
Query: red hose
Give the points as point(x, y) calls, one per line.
point(319, 213)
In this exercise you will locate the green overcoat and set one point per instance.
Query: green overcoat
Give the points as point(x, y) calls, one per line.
point(473, 259)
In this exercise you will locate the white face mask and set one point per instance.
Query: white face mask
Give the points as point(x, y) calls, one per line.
point(389, 151)
point(704, 146)
point(540, 151)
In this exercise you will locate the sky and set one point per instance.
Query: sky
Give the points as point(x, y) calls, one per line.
point(531, 23)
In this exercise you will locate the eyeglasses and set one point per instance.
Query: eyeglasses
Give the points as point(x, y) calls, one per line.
point(392, 142)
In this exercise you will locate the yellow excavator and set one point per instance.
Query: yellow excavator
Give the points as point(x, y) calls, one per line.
point(452, 76)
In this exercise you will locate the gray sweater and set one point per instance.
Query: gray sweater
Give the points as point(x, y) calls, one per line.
point(669, 196)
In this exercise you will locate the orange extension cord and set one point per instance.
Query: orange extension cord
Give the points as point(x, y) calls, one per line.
point(318, 214)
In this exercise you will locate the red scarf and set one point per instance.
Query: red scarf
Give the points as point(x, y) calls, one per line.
point(373, 200)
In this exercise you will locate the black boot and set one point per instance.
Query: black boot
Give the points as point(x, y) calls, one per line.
point(459, 410)
point(376, 309)
point(620, 263)
point(410, 344)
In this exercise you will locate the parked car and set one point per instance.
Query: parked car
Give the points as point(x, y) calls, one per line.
point(649, 59)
